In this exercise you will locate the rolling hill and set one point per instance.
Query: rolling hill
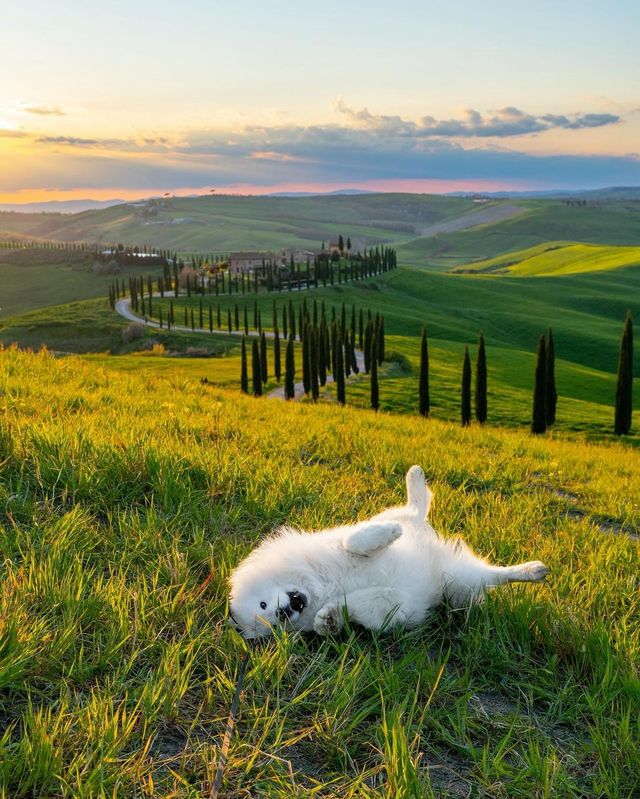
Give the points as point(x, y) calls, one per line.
point(556, 258)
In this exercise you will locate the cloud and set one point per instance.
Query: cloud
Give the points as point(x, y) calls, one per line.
point(45, 110)
point(11, 133)
point(505, 122)
point(367, 147)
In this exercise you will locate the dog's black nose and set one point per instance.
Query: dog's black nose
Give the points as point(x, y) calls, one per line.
point(297, 601)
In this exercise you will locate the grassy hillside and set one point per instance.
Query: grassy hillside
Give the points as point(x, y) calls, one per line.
point(610, 223)
point(40, 278)
point(557, 258)
point(221, 224)
point(586, 313)
point(126, 499)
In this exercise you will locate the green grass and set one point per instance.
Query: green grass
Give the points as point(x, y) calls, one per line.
point(39, 278)
point(557, 258)
point(612, 223)
point(225, 223)
point(127, 498)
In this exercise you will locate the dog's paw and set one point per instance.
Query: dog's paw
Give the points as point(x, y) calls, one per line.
point(535, 571)
point(328, 620)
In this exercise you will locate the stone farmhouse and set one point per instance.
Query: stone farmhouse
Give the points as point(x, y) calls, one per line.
point(249, 262)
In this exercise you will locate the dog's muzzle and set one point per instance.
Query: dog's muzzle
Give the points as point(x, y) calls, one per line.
point(297, 603)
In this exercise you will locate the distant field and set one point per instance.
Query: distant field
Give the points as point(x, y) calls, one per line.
point(615, 223)
point(221, 224)
point(557, 258)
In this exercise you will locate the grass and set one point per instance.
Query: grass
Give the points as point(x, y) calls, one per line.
point(612, 223)
point(557, 258)
point(39, 278)
point(126, 499)
point(225, 223)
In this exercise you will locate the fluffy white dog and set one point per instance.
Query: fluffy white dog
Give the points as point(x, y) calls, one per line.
point(391, 569)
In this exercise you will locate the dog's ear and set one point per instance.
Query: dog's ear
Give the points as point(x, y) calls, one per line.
point(419, 494)
point(366, 538)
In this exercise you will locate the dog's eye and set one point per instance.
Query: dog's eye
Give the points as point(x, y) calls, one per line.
point(263, 605)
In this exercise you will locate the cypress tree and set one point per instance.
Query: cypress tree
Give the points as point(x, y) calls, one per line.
point(244, 377)
point(423, 387)
point(306, 366)
point(361, 329)
point(256, 368)
point(375, 391)
point(274, 316)
point(276, 354)
point(246, 321)
point(339, 371)
point(539, 417)
point(322, 354)
point(236, 317)
point(210, 319)
point(290, 372)
point(347, 354)
point(255, 314)
point(552, 396)
point(622, 419)
point(219, 318)
point(481, 382)
point(352, 351)
point(313, 361)
point(229, 325)
point(368, 335)
point(628, 326)
point(465, 404)
point(380, 338)
point(301, 329)
point(193, 321)
point(284, 322)
point(200, 314)
point(263, 358)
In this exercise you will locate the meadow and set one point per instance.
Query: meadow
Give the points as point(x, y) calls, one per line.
point(127, 498)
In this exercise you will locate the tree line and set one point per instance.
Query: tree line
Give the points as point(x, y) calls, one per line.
point(336, 351)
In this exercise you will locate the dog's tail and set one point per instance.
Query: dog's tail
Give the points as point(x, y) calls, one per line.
point(419, 494)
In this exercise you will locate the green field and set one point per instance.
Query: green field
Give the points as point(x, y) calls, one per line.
point(557, 258)
point(612, 223)
point(127, 498)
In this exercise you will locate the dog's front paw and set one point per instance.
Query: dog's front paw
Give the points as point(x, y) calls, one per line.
point(535, 571)
point(328, 620)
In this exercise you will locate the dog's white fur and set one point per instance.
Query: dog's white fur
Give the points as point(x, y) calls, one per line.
point(391, 569)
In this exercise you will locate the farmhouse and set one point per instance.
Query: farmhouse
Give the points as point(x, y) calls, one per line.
point(248, 262)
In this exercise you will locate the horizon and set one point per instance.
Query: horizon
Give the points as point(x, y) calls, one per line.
point(417, 102)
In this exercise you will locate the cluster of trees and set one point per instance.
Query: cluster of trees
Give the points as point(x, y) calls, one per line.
point(189, 278)
point(545, 396)
point(122, 254)
point(328, 347)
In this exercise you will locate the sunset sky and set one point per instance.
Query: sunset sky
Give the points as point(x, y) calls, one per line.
point(128, 99)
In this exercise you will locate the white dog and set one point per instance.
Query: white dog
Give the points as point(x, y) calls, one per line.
point(392, 569)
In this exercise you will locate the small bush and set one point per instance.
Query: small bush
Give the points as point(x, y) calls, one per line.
point(133, 332)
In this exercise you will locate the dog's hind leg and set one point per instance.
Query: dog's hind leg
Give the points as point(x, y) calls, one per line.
point(418, 493)
point(367, 537)
point(467, 577)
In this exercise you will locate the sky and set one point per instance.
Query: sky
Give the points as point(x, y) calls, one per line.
point(128, 99)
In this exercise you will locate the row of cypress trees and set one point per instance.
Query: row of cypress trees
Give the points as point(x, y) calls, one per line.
point(326, 347)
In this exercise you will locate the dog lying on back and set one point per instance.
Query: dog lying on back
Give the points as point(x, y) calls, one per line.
point(391, 569)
